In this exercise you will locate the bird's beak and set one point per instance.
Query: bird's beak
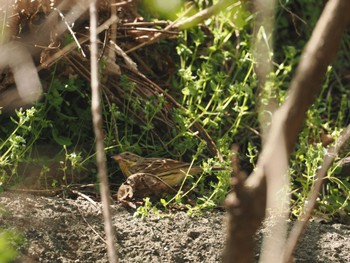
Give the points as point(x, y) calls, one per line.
point(116, 158)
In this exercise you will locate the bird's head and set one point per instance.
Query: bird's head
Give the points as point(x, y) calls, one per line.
point(126, 160)
point(126, 157)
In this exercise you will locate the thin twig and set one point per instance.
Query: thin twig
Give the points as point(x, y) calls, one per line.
point(122, 3)
point(91, 227)
point(70, 30)
point(300, 226)
point(85, 197)
point(152, 30)
point(146, 23)
point(157, 36)
point(70, 47)
point(128, 61)
point(113, 36)
point(205, 14)
point(97, 123)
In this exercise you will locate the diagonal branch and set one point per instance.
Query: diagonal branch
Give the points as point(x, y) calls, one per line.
point(300, 226)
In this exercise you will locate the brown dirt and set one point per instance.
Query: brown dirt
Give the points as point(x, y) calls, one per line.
point(71, 230)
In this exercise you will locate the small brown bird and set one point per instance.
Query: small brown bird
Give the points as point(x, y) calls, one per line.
point(170, 171)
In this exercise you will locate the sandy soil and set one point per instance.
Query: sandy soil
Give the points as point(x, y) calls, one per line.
point(67, 230)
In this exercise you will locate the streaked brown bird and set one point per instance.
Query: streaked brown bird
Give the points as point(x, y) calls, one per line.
point(170, 171)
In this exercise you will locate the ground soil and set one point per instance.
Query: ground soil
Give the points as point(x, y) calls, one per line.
point(71, 230)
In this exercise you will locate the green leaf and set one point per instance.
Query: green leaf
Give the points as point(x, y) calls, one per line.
point(61, 140)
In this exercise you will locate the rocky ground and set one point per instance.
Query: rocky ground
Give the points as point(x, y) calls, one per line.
point(71, 230)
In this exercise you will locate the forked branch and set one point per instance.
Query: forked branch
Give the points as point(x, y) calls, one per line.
point(286, 123)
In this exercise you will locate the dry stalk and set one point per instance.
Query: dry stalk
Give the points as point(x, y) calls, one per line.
point(97, 123)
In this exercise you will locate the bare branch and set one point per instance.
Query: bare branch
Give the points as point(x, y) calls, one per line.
point(300, 226)
point(97, 122)
point(318, 54)
point(286, 123)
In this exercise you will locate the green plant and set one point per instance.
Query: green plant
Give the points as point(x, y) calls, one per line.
point(10, 240)
point(216, 84)
point(23, 134)
point(214, 80)
point(147, 209)
point(51, 121)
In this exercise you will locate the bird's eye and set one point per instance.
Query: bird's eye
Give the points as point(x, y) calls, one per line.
point(126, 155)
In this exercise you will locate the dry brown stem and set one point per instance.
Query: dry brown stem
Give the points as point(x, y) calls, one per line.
point(97, 124)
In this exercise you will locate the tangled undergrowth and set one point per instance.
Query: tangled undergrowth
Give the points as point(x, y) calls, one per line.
point(191, 96)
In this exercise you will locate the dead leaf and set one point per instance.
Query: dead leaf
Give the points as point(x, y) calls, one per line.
point(142, 185)
point(326, 139)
